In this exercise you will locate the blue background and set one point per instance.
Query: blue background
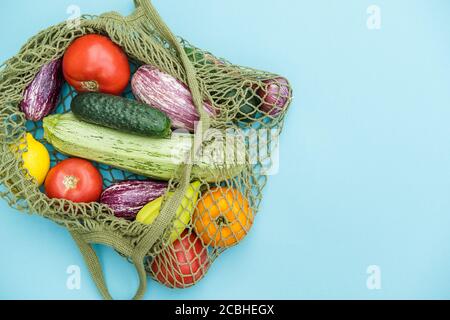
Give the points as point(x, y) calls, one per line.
point(365, 155)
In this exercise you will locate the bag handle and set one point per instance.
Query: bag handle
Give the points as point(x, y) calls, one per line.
point(85, 242)
point(138, 253)
point(144, 8)
point(169, 209)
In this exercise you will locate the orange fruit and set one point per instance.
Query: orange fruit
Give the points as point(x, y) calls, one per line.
point(223, 217)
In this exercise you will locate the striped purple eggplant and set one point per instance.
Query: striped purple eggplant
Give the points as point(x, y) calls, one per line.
point(126, 198)
point(41, 96)
point(166, 93)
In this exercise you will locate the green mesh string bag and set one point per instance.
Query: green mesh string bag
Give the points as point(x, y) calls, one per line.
point(199, 217)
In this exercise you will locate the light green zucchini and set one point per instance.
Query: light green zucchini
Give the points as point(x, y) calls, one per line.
point(158, 158)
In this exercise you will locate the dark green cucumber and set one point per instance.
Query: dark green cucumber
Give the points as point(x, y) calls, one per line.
point(122, 114)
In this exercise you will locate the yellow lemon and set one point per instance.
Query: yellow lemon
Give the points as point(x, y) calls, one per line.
point(36, 159)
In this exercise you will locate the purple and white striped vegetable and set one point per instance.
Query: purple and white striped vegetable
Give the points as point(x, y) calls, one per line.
point(166, 93)
point(41, 96)
point(275, 96)
point(126, 198)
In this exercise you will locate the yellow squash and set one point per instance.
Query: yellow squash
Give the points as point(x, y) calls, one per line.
point(148, 214)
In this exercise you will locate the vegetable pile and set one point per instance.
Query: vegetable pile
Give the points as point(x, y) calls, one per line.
point(149, 133)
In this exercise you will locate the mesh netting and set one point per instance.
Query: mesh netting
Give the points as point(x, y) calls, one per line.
point(198, 217)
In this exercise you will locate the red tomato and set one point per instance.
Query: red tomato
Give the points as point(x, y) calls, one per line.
point(183, 263)
point(74, 179)
point(94, 63)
